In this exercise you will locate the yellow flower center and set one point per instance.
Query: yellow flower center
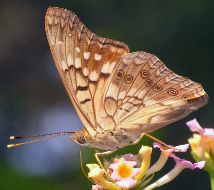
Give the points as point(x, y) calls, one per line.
point(124, 170)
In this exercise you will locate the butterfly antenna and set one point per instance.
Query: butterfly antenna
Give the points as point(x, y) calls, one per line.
point(43, 137)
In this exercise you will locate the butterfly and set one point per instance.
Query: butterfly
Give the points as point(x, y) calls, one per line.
point(118, 95)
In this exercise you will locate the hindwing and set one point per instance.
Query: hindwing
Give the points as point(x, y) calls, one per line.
point(143, 91)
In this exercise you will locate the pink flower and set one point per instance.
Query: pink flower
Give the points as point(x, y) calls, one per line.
point(180, 165)
point(96, 187)
point(129, 171)
point(181, 162)
point(194, 126)
point(180, 148)
point(165, 154)
point(202, 143)
point(123, 172)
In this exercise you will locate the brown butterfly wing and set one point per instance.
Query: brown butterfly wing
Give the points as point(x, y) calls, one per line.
point(84, 62)
point(111, 88)
point(144, 92)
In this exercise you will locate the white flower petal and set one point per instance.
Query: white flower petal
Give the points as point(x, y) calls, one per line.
point(127, 183)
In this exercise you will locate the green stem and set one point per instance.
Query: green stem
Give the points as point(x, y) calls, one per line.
point(212, 181)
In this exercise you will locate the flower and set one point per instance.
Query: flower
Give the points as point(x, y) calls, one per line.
point(123, 172)
point(180, 165)
point(202, 143)
point(134, 171)
point(97, 175)
point(96, 187)
point(165, 153)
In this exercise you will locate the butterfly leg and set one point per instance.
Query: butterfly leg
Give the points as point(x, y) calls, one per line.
point(81, 165)
point(154, 139)
point(98, 154)
point(159, 141)
point(139, 139)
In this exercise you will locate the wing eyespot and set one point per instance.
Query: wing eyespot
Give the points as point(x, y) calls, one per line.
point(149, 82)
point(128, 79)
point(157, 88)
point(187, 98)
point(145, 74)
point(119, 75)
point(173, 92)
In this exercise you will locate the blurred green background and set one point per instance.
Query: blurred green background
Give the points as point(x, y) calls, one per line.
point(33, 99)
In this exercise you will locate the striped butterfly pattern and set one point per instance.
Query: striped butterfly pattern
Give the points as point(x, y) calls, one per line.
point(117, 94)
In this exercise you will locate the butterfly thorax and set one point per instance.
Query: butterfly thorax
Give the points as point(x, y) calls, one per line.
point(105, 140)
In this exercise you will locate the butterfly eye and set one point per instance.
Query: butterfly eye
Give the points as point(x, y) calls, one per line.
point(149, 82)
point(129, 79)
point(80, 138)
point(145, 73)
point(172, 91)
point(119, 75)
point(157, 88)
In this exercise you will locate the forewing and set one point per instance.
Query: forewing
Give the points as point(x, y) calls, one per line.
point(84, 62)
point(143, 91)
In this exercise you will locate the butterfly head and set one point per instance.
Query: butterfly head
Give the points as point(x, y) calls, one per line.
point(79, 138)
